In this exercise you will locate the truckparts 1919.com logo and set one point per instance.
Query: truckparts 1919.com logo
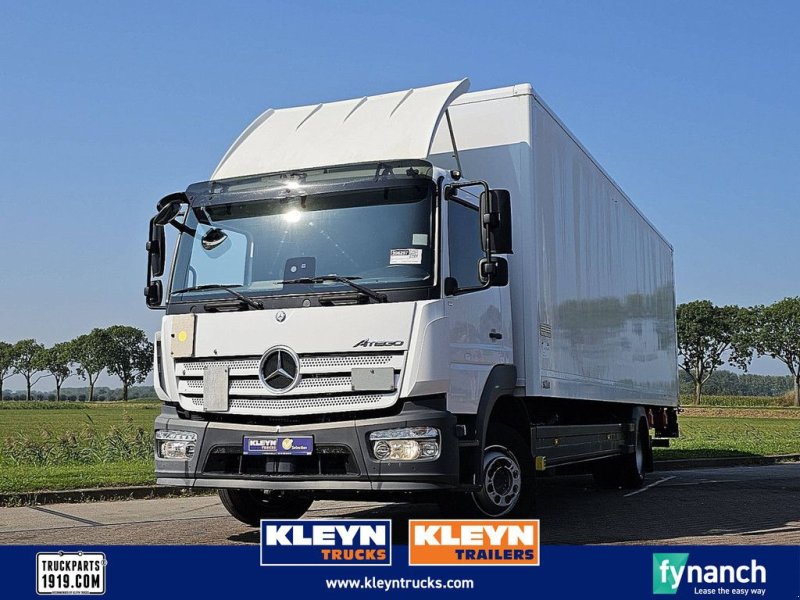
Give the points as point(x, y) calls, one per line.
point(326, 542)
point(71, 573)
point(671, 570)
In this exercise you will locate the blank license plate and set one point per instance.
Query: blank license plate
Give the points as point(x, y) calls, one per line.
point(279, 445)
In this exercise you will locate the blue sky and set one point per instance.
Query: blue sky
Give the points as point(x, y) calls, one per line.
point(107, 106)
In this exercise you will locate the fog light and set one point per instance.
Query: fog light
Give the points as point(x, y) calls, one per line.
point(175, 445)
point(406, 443)
point(382, 450)
point(429, 449)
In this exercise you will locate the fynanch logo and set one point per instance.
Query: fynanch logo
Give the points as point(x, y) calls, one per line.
point(667, 572)
point(367, 343)
point(671, 569)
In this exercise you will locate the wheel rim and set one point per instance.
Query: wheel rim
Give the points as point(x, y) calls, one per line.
point(502, 482)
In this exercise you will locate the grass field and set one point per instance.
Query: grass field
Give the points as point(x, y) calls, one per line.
point(32, 421)
point(734, 434)
point(26, 478)
point(27, 432)
point(72, 428)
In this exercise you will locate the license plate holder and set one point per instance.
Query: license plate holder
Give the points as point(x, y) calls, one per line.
point(278, 445)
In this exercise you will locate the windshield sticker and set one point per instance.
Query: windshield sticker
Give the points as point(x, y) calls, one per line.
point(419, 239)
point(405, 256)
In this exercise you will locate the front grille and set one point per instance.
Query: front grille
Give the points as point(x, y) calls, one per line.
point(236, 385)
point(308, 363)
point(349, 361)
point(236, 367)
point(324, 385)
point(355, 401)
point(327, 461)
point(335, 384)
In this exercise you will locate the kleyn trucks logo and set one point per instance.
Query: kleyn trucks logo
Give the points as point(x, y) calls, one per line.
point(326, 542)
point(671, 570)
point(473, 542)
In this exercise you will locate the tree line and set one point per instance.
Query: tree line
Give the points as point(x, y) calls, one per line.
point(121, 350)
point(727, 383)
point(102, 393)
point(710, 336)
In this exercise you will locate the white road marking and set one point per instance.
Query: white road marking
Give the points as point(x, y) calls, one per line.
point(704, 481)
point(647, 487)
point(786, 527)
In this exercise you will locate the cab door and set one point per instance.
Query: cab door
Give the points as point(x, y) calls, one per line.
point(478, 315)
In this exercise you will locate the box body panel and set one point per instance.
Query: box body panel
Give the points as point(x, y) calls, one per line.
point(591, 280)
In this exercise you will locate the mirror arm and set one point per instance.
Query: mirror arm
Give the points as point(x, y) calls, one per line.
point(183, 228)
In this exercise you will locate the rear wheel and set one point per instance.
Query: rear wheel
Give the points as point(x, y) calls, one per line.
point(250, 506)
point(627, 471)
point(634, 465)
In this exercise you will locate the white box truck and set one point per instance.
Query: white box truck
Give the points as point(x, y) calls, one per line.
point(423, 294)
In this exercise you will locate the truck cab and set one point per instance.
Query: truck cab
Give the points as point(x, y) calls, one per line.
point(340, 323)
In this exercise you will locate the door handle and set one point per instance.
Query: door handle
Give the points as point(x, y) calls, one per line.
point(495, 335)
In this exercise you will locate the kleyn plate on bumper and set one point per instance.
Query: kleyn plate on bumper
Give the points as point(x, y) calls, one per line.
point(281, 445)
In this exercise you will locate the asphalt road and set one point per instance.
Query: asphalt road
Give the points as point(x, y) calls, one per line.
point(738, 505)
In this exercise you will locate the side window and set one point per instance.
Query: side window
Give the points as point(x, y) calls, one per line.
point(464, 234)
point(224, 264)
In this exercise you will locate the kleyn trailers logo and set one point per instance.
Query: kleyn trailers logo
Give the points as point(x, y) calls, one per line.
point(671, 570)
point(326, 542)
point(473, 542)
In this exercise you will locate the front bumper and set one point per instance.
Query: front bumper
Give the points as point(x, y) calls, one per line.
point(341, 460)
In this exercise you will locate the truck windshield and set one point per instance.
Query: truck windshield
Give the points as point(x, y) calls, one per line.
point(382, 237)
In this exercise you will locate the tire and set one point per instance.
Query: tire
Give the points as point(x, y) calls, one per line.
point(250, 506)
point(634, 466)
point(627, 471)
point(507, 479)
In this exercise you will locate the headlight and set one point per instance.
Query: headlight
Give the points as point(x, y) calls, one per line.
point(406, 443)
point(175, 445)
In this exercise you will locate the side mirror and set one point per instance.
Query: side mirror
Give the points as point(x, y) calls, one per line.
point(494, 271)
point(154, 293)
point(174, 199)
point(213, 239)
point(496, 218)
point(156, 246)
point(168, 208)
point(166, 213)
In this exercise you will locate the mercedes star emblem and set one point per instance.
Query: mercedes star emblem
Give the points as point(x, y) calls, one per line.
point(280, 316)
point(280, 369)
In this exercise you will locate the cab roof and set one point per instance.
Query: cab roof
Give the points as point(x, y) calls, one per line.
point(399, 125)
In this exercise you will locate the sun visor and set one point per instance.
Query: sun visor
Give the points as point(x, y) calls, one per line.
point(399, 125)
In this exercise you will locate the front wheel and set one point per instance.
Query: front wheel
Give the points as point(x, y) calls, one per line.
point(250, 506)
point(507, 479)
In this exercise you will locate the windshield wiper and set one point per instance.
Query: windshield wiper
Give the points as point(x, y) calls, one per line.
point(377, 296)
point(228, 288)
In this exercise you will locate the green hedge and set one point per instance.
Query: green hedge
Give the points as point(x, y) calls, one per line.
point(53, 405)
point(743, 401)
